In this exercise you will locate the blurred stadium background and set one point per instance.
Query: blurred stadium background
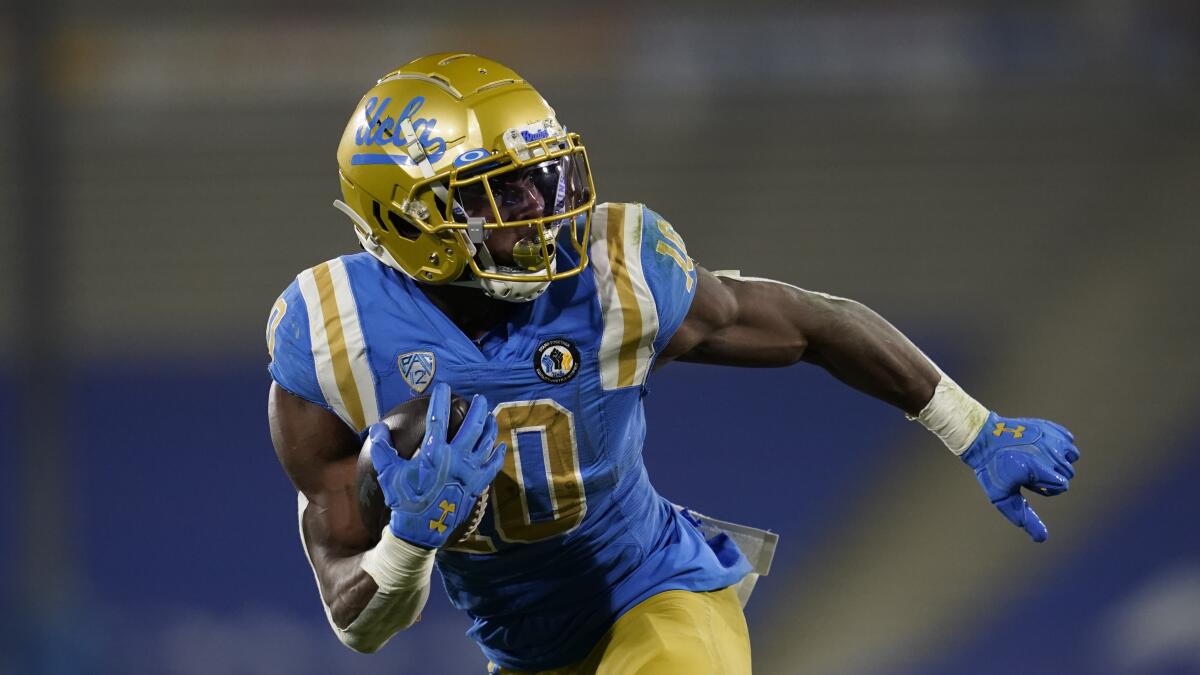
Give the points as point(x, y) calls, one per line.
point(1016, 185)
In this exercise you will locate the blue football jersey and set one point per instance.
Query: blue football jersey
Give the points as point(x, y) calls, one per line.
point(574, 534)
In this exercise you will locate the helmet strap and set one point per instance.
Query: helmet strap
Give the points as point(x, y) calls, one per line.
point(366, 237)
point(412, 145)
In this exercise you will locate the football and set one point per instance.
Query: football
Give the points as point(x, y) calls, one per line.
point(407, 423)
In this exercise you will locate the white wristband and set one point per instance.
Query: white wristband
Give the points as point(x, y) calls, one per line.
point(953, 416)
point(395, 564)
point(400, 570)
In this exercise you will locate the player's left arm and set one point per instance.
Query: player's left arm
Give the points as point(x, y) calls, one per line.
point(756, 322)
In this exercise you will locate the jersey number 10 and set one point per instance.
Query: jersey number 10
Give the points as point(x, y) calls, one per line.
point(539, 492)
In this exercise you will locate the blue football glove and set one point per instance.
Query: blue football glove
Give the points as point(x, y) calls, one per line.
point(431, 493)
point(1010, 454)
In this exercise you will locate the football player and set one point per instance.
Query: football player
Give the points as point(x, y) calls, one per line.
point(491, 272)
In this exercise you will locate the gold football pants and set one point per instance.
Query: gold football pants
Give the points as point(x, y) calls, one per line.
point(671, 633)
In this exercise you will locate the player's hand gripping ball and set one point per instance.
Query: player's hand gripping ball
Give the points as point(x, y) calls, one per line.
point(1010, 454)
point(437, 494)
point(407, 424)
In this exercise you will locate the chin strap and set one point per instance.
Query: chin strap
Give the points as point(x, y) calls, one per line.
point(513, 291)
point(508, 291)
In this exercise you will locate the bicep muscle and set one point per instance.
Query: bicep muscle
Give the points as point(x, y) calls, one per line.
point(743, 322)
point(320, 453)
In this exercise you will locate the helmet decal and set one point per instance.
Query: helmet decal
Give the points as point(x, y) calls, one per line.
point(380, 130)
point(471, 156)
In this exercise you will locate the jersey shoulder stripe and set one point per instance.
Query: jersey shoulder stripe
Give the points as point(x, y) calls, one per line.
point(336, 349)
point(645, 281)
point(670, 273)
point(629, 316)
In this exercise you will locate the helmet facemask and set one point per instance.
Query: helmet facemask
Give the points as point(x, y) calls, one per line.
point(541, 191)
point(541, 205)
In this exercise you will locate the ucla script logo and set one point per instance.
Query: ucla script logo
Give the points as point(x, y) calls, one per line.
point(382, 129)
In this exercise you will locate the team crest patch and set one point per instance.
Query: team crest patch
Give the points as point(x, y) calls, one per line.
point(556, 361)
point(417, 369)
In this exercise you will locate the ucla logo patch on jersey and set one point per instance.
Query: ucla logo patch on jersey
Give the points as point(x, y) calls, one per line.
point(556, 361)
point(417, 369)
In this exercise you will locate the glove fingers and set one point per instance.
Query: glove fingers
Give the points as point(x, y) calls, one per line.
point(472, 425)
point(485, 446)
point(1061, 464)
point(1065, 432)
point(1034, 526)
point(383, 454)
point(379, 432)
point(1049, 490)
point(495, 462)
point(1047, 480)
point(438, 414)
point(1065, 449)
point(1019, 513)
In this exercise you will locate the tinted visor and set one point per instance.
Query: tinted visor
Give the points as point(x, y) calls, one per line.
point(523, 193)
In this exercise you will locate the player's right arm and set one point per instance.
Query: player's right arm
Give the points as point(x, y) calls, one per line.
point(372, 584)
point(317, 439)
point(319, 453)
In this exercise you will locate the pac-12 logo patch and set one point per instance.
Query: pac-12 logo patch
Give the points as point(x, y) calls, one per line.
point(556, 361)
point(417, 369)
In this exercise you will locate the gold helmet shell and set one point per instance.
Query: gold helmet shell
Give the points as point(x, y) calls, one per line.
point(420, 156)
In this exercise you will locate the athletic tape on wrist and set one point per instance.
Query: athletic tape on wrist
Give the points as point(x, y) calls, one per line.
point(397, 565)
point(953, 416)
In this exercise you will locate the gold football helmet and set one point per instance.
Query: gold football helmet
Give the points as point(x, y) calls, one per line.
point(443, 152)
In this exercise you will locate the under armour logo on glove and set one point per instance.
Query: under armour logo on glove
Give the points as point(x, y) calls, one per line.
point(440, 524)
point(1024, 453)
